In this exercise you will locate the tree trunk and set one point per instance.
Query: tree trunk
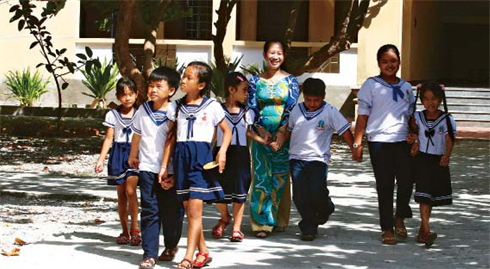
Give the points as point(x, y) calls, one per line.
point(224, 15)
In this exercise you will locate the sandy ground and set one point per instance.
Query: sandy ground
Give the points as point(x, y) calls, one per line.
point(50, 198)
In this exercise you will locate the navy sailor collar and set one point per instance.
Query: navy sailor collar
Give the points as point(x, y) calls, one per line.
point(435, 122)
point(311, 114)
point(158, 117)
point(189, 109)
point(378, 79)
point(124, 121)
point(234, 118)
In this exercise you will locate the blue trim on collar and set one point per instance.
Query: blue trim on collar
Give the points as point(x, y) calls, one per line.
point(311, 114)
point(151, 114)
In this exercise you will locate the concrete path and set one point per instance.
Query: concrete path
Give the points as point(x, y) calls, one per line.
point(351, 239)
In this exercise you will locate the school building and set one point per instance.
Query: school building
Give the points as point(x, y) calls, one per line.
point(443, 40)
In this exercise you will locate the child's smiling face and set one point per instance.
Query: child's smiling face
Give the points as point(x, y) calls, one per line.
point(159, 90)
point(430, 101)
point(128, 98)
point(313, 102)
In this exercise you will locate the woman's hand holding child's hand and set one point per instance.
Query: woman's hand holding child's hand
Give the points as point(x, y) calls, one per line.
point(445, 160)
point(265, 135)
point(415, 149)
point(278, 141)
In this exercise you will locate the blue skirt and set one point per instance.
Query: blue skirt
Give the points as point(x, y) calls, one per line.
point(118, 167)
point(191, 180)
point(237, 176)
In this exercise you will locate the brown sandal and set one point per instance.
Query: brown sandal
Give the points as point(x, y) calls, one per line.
point(400, 230)
point(168, 254)
point(135, 237)
point(388, 238)
point(261, 234)
point(427, 238)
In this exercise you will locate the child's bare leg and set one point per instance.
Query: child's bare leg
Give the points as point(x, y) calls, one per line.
point(425, 210)
point(132, 195)
point(194, 217)
point(223, 210)
point(238, 209)
point(122, 207)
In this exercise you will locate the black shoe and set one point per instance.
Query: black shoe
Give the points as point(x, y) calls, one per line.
point(307, 237)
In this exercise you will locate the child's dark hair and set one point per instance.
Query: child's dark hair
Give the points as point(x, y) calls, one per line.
point(233, 79)
point(205, 74)
point(386, 48)
point(438, 91)
point(166, 73)
point(125, 82)
point(314, 86)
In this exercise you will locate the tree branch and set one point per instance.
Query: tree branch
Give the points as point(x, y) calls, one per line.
point(224, 16)
point(293, 17)
point(341, 41)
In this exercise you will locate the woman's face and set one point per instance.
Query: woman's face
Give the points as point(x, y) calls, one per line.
point(274, 56)
point(389, 64)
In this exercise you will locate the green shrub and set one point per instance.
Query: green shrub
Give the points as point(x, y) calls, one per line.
point(24, 87)
point(100, 81)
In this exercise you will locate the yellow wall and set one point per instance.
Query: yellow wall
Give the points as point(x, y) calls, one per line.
point(423, 34)
point(382, 26)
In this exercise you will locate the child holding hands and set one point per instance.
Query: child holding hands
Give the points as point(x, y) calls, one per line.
point(311, 126)
point(435, 139)
point(160, 206)
point(195, 118)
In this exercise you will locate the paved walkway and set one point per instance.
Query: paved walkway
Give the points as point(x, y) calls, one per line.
point(349, 240)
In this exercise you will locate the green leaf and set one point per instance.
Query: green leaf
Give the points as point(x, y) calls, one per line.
point(14, 8)
point(49, 68)
point(39, 65)
point(21, 25)
point(81, 56)
point(17, 15)
point(89, 52)
point(64, 86)
point(70, 67)
point(88, 67)
point(62, 51)
point(33, 44)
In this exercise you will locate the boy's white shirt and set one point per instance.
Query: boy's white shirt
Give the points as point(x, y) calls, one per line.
point(113, 119)
point(438, 144)
point(247, 118)
point(152, 140)
point(310, 139)
point(388, 120)
point(208, 115)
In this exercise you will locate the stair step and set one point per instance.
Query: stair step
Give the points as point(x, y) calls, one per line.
point(458, 115)
point(469, 123)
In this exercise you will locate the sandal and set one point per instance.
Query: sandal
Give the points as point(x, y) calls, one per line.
point(388, 238)
point(135, 237)
point(237, 236)
point(428, 238)
point(147, 263)
point(123, 239)
point(189, 265)
point(400, 230)
point(203, 263)
point(261, 234)
point(168, 254)
point(219, 228)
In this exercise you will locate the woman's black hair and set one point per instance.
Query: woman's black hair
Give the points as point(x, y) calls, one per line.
point(269, 43)
point(125, 82)
point(439, 92)
point(386, 48)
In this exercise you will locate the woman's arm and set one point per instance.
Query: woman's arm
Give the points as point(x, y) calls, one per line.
point(106, 146)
